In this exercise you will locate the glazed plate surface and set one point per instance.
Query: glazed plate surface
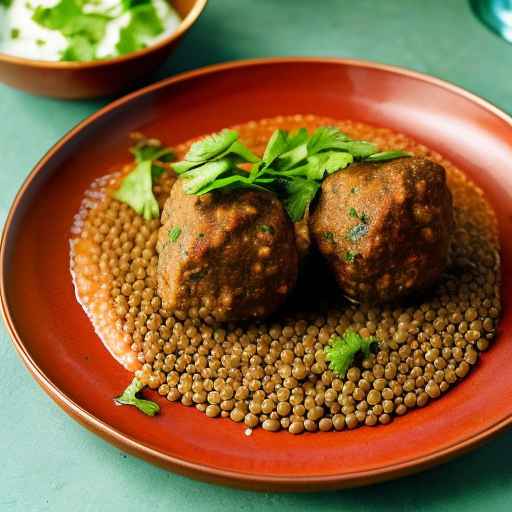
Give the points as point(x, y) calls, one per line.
point(58, 345)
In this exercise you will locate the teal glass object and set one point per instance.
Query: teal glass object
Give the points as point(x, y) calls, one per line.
point(496, 14)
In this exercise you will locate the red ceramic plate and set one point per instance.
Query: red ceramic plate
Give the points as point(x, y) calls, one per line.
point(58, 344)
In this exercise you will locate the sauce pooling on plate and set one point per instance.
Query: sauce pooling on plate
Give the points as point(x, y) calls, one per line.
point(83, 30)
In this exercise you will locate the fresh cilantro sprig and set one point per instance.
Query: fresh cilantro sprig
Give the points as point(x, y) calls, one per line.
point(342, 351)
point(384, 156)
point(136, 189)
point(293, 165)
point(129, 397)
point(213, 163)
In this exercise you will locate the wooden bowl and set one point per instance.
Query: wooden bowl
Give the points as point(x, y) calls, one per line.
point(73, 80)
point(57, 342)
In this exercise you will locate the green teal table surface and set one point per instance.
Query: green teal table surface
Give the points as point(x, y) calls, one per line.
point(49, 462)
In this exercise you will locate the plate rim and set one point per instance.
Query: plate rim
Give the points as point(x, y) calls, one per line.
point(207, 472)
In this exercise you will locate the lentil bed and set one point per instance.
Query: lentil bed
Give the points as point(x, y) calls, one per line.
point(274, 373)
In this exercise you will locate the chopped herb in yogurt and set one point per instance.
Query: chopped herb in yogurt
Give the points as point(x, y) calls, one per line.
point(83, 30)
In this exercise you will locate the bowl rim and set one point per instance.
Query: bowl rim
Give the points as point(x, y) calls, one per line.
point(208, 472)
point(182, 28)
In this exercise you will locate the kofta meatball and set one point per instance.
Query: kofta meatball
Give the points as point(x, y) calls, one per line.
point(385, 228)
point(231, 254)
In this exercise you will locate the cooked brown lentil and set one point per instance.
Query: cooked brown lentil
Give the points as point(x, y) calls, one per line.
point(275, 375)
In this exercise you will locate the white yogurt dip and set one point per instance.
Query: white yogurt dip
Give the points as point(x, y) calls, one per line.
point(21, 36)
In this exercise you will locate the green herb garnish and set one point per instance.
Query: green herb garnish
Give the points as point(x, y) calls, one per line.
point(328, 235)
point(211, 146)
point(144, 23)
point(174, 234)
point(276, 146)
point(15, 33)
point(326, 137)
point(354, 190)
point(342, 351)
point(150, 149)
point(129, 397)
point(383, 156)
point(136, 189)
point(6, 3)
point(350, 256)
point(357, 232)
point(293, 165)
point(83, 30)
point(298, 196)
point(40, 42)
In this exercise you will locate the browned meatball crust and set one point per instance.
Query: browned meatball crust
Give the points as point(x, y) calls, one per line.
point(234, 258)
point(385, 228)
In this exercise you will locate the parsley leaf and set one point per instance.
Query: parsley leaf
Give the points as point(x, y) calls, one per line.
point(297, 138)
point(277, 145)
point(293, 165)
point(342, 351)
point(15, 33)
point(211, 146)
point(151, 149)
point(359, 148)
point(235, 181)
point(299, 194)
point(200, 177)
point(387, 155)
point(6, 3)
point(292, 157)
point(337, 161)
point(136, 190)
point(174, 233)
point(243, 153)
point(129, 397)
point(317, 166)
point(326, 137)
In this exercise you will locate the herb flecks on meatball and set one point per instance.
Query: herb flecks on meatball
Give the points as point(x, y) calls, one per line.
point(385, 229)
point(231, 254)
